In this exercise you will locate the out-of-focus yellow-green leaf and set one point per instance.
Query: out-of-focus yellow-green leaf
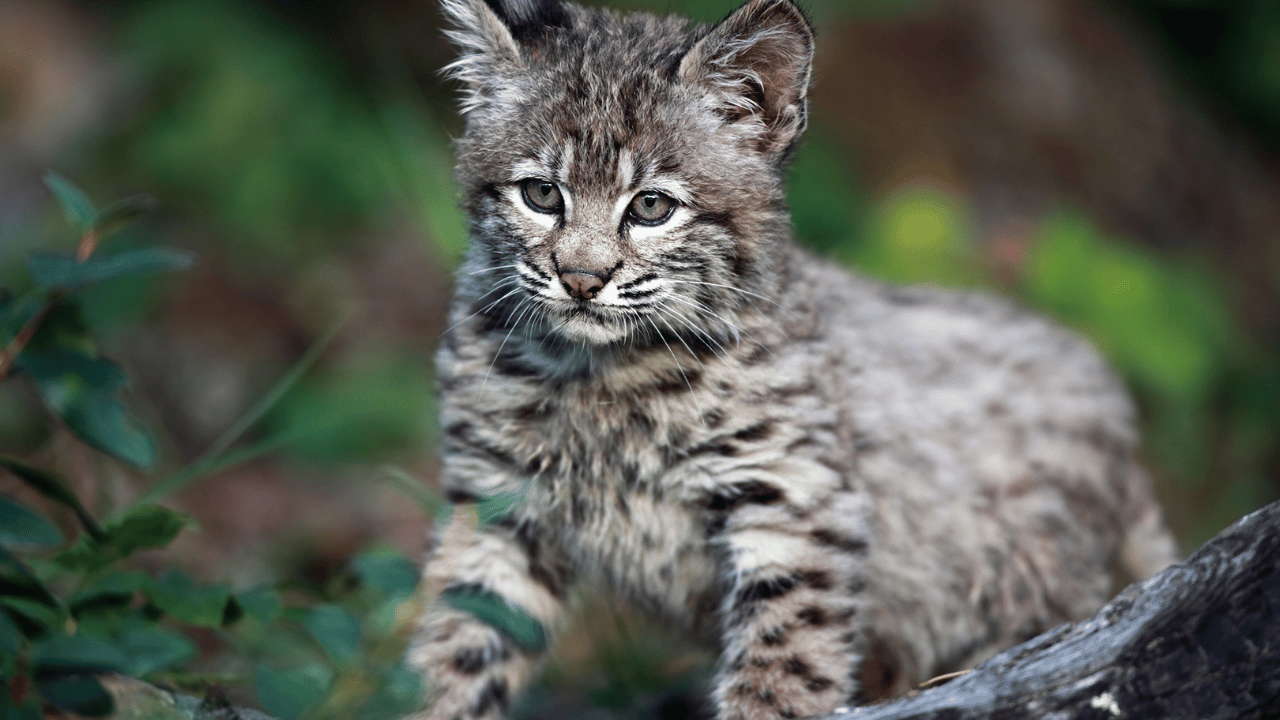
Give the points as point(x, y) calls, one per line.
point(1164, 325)
point(919, 236)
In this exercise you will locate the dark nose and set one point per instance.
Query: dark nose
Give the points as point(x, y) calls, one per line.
point(582, 284)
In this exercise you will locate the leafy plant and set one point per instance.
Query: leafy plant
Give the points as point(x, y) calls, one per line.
point(73, 609)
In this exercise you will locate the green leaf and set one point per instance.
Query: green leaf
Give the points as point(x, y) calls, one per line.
point(35, 618)
point(79, 694)
point(82, 390)
point(122, 212)
point(110, 590)
point(76, 205)
point(288, 694)
point(399, 694)
point(77, 653)
point(337, 632)
point(52, 488)
point(53, 271)
point(17, 580)
point(496, 507)
point(261, 604)
point(82, 387)
point(146, 527)
point(184, 599)
point(22, 526)
point(151, 648)
point(10, 636)
point(387, 572)
point(488, 607)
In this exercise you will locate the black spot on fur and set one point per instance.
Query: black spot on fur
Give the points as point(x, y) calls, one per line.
point(736, 663)
point(534, 411)
point(460, 436)
point(795, 666)
point(757, 355)
point(713, 418)
point(755, 433)
point(641, 421)
point(816, 579)
point(818, 684)
point(840, 541)
point(638, 281)
point(677, 382)
point(761, 590)
point(544, 571)
point(714, 447)
point(721, 220)
point(470, 661)
point(458, 496)
point(494, 696)
point(750, 492)
point(513, 367)
point(774, 637)
point(812, 615)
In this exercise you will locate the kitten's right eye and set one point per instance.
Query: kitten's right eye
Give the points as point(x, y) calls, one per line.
point(542, 195)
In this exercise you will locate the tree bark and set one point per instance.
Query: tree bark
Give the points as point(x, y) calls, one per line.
point(1199, 641)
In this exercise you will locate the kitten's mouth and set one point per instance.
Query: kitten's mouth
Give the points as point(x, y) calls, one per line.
point(594, 323)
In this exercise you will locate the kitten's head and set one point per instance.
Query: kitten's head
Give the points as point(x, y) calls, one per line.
point(623, 172)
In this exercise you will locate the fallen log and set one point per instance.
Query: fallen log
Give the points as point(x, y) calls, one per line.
point(1199, 641)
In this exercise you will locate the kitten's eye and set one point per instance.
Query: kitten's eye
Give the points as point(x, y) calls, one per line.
point(651, 208)
point(542, 195)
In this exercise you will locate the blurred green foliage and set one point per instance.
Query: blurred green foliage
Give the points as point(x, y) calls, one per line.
point(71, 611)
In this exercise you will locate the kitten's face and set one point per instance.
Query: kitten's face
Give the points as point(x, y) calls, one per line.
point(623, 178)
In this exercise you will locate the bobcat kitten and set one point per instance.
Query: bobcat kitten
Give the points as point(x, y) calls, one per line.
point(845, 487)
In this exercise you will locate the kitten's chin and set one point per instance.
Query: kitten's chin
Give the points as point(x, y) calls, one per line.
point(585, 329)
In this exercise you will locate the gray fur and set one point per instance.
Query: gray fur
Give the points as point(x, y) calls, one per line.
point(845, 487)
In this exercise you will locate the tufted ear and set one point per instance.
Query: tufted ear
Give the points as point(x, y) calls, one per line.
point(757, 64)
point(491, 36)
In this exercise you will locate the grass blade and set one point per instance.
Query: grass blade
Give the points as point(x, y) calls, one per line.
point(213, 460)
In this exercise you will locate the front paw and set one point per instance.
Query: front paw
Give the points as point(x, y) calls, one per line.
point(779, 687)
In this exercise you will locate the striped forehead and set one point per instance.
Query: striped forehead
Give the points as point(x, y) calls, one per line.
point(586, 167)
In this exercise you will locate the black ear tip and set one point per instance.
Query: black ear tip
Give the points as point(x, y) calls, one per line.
point(524, 14)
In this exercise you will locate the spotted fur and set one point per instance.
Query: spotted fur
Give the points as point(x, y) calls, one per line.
point(843, 486)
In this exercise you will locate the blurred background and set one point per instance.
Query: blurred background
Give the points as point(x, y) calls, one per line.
point(1113, 164)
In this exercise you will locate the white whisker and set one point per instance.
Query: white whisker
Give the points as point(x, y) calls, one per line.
point(727, 287)
point(495, 267)
point(499, 286)
point(514, 324)
point(723, 353)
point(702, 308)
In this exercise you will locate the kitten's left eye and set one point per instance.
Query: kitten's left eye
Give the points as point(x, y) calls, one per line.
point(542, 195)
point(651, 208)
